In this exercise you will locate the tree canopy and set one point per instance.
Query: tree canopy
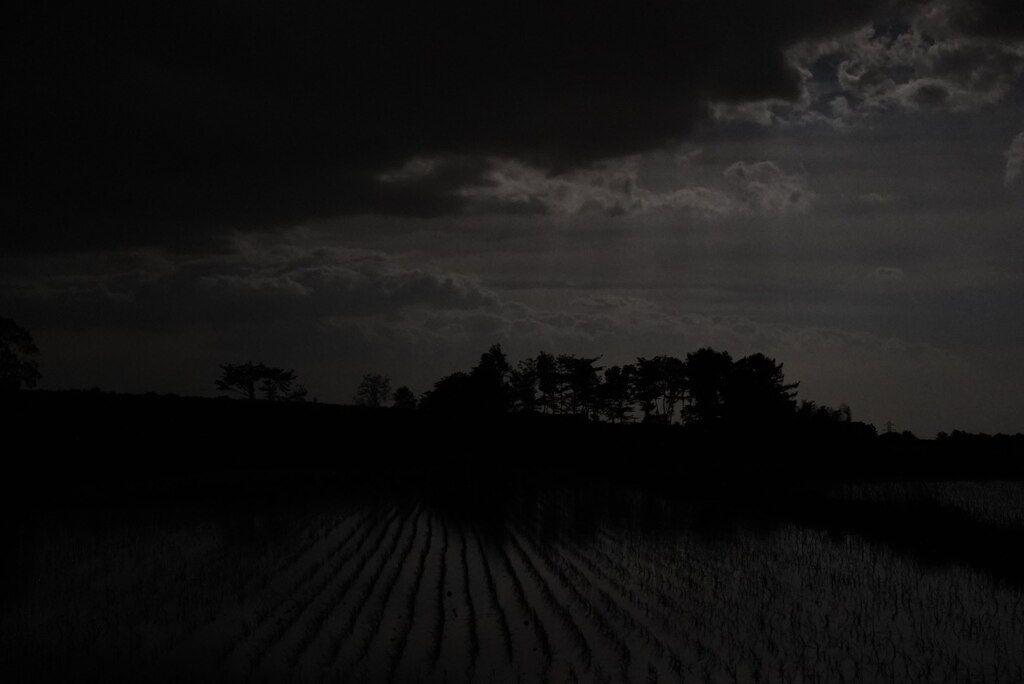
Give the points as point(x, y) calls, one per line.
point(248, 379)
point(403, 399)
point(18, 367)
point(707, 388)
point(373, 390)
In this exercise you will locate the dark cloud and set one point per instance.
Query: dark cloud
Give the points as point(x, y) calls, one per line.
point(140, 123)
point(1000, 18)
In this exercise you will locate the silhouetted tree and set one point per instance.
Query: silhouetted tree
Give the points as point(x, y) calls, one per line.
point(275, 384)
point(523, 385)
point(17, 368)
point(404, 399)
point(451, 395)
point(832, 424)
point(706, 373)
point(489, 377)
point(484, 391)
point(808, 410)
point(577, 384)
point(710, 387)
point(279, 384)
point(755, 390)
point(240, 378)
point(374, 389)
point(547, 382)
point(659, 384)
point(616, 393)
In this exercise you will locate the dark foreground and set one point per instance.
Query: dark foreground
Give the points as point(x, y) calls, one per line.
point(220, 541)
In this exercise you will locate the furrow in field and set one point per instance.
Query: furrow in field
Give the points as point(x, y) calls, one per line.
point(266, 590)
point(269, 626)
point(653, 572)
point(658, 626)
point(459, 648)
point(317, 537)
point(296, 633)
point(366, 622)
point(613, 594)
point(531, 641)
point(281, 586)
point(472, 619)
point(494, 608)
point(567, 645)
point(601, 654)
point(494, 632)
point(317, 545)
point(401, 644)
point(439, 608)
point(317, 642)
point(424, 642)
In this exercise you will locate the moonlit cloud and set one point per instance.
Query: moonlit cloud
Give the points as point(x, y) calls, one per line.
point(764, 188)
point(887, 274)
point(927, 63)
point(877, 199)
point(616, 188)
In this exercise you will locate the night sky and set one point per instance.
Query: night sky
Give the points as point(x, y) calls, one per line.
point(344, 188)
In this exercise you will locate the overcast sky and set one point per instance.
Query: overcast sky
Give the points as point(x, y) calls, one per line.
point(343, 189)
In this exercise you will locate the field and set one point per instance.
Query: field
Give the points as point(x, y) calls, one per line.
point(560, 587)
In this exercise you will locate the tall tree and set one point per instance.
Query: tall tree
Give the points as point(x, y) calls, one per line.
point(452, 395)
point(616, 393)
point(373, 390)
point(706, 374)
point(523, 384)
point(246, 379)
point(489, 377)
point(547, 382)
point(659, 385)
point(756, 391)
point(404, 399)
point(240, 378)
point(578, 383)
point(279, 384)
point(18, 367)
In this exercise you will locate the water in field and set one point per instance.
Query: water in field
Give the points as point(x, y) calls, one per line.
point(555, 589)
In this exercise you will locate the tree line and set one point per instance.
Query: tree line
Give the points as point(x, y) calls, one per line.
point(705, 387)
